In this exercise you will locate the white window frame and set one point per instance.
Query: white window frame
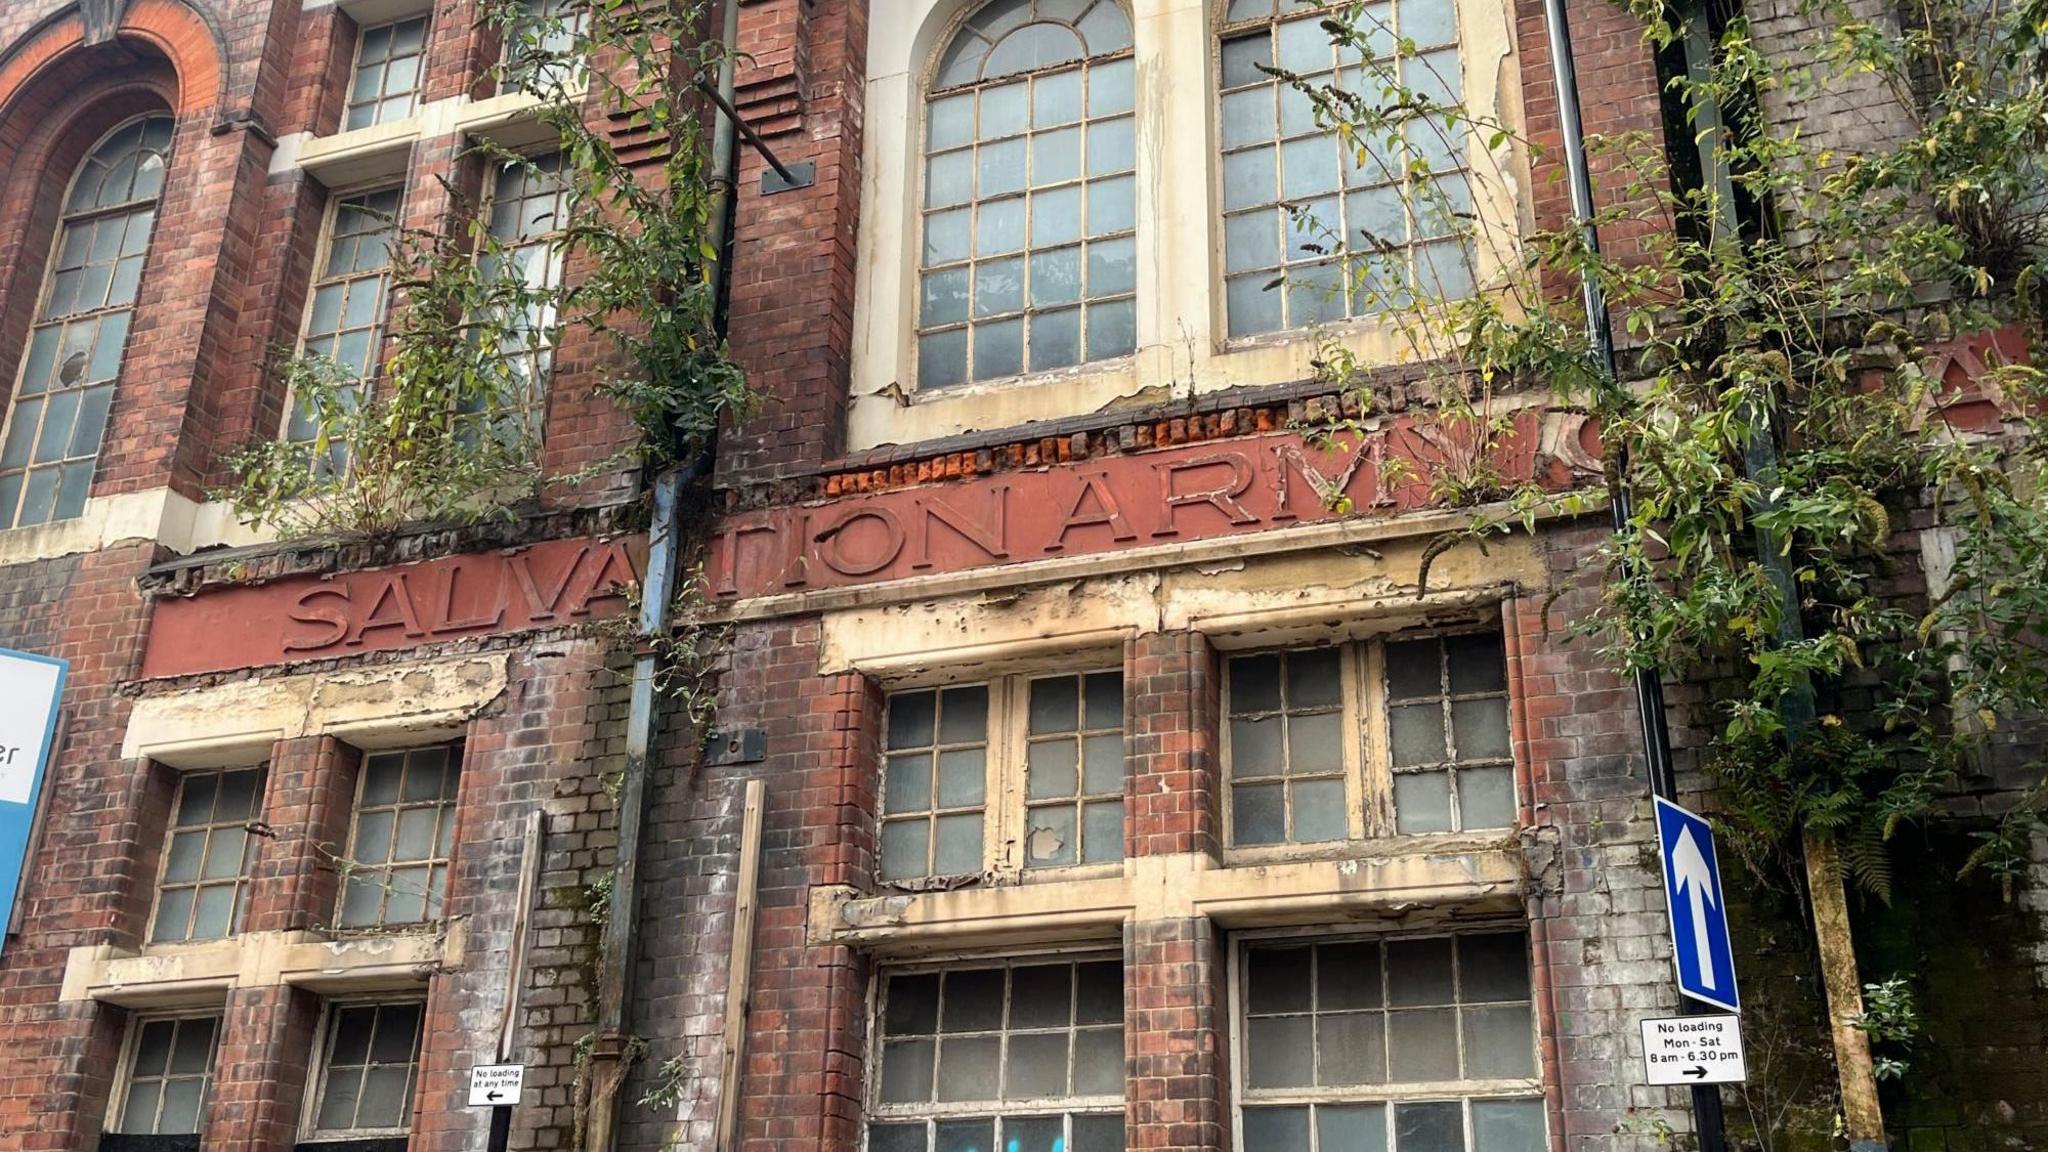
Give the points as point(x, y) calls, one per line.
point(131, 1045)
point(450, 812)
point(419, 86)
point(1389, 1092)
point(1006, 804)
point(329, 214)
point(874, 1111)
point(1368, 756)
point(1180, 323)
point(323, 1040)
point(240, 885)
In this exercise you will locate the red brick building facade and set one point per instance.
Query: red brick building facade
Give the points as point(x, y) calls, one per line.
point(1115, 782)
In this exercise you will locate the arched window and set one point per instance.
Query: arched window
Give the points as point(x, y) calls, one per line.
point(1029, 248)
point(1294, 195)
point(74, 348)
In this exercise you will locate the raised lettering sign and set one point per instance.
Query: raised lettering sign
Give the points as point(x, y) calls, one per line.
point(313, 617)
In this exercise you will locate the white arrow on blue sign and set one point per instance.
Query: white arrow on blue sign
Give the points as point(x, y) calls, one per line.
point(1699, 914)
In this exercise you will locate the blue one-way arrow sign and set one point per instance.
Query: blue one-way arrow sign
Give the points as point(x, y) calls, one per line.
point(1699, 916)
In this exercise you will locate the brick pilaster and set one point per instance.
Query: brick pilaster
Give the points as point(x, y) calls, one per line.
point(267, 1042)
point(307, 804)
point(1170, 699)
point(1174, 1009)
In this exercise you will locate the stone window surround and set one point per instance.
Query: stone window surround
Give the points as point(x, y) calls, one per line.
point(1004, 809)
point(1180, 298)
point(389, 706)
point(1390, 1092)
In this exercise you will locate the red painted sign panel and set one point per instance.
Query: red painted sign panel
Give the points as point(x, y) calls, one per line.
point(1191, 492)
point(314, 617)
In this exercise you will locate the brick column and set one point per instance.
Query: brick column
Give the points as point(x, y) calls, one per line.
point(266, 1050)
point(1176, 1074)
point(1170, 705)
point(307, 804)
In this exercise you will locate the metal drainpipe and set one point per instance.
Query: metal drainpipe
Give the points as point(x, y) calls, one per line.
point(1706, 1101)
point(610, 1057)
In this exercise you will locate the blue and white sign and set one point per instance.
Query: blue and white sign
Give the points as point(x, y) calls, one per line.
point(30, 688)
point(1699, 915)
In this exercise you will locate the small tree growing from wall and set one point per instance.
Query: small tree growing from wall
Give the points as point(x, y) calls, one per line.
point(447, 427)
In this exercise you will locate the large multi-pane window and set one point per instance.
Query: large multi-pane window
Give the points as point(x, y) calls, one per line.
point(1048, 749)
point(170, 1067)
point(390, 60)
point(73, 357)
point(1029, 241)
point(529, 212)
point(1319, 743)
point(369, 1066)
point(1296, 198)
point(1412, 1044)
point(541, 37)
point(345, 315)
point(204, 883)
point(1024, 1056)
point(404, 830)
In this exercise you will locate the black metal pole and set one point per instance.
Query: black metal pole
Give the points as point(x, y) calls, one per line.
point(1708, 1124)
point(501, 1128)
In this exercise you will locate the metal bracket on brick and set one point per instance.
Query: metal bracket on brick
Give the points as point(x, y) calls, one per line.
point(746, 746)
point(802, 174)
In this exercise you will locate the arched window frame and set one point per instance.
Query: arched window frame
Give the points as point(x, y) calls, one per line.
point(47, 475)
point(987, 260)
point(1183, 346)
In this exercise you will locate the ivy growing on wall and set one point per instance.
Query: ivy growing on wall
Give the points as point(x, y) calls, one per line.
point(449, 425)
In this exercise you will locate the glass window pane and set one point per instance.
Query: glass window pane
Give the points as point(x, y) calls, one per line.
point(1112, 206)
point(973, 1000)
point(1479, 728)
point(1051, 769)
point(913, 1005)
point(949, 179)
point(138, 1115)
point(968, 1068)
point(1055, 157)
point(338, 1099)
point(959, 845)
point(1347, 976)
point(1056, 216)
point(1099, 992)
point(154, 1046)
point(362, 899)
point(950, 122)
point(907, 1071)
point(1493, 966)
point(1419, 972)
point(904, 847)
point(173, 914)
point(1319, 810)
point(1351, 1128)
point(1104, 757)
point(1486, 797)
point(1112, 329)
point(1112, 146)
point(966, 1136)
point(1099, 1062)
point(1423, 1044)
point(385, 1100)
point(946, 237)
point(942, 359)
point(1422, 802)
point(1105, 700)
point(405, 896)
point(1041, 996)
point(1315, 744)
point(965, 715)
point(1276, 1129)
point(1248, 178)
point(963, 777)
point(910, 718)
point(896, 1137)
point(999, 349)
point(1416, 732)
point(180, 1108)
point(1034, 1134)
point(1055, 338)
point(1055, 705)
point(1498, 1042)
point(1103, 837)
point(1003, 111)
point(1000, 229)
point(999, 168)
point(192, 1054)
point(1056, 99)
point(1112, 267)
point(1413, 669)
point(1351, 1048)
point(1037, 1067)
point(182, 862)
point(1508, 1126)
point(1279, 1052)
point(1255, 747)
point(907, 784)
point(213, 912)
point(1278, 980)
point(1477, 663)
point(1429, 1127)
point(1257, 814)
point(1056, 276)
point(1109, 88)
point(1049, 837)
point(380, 778)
